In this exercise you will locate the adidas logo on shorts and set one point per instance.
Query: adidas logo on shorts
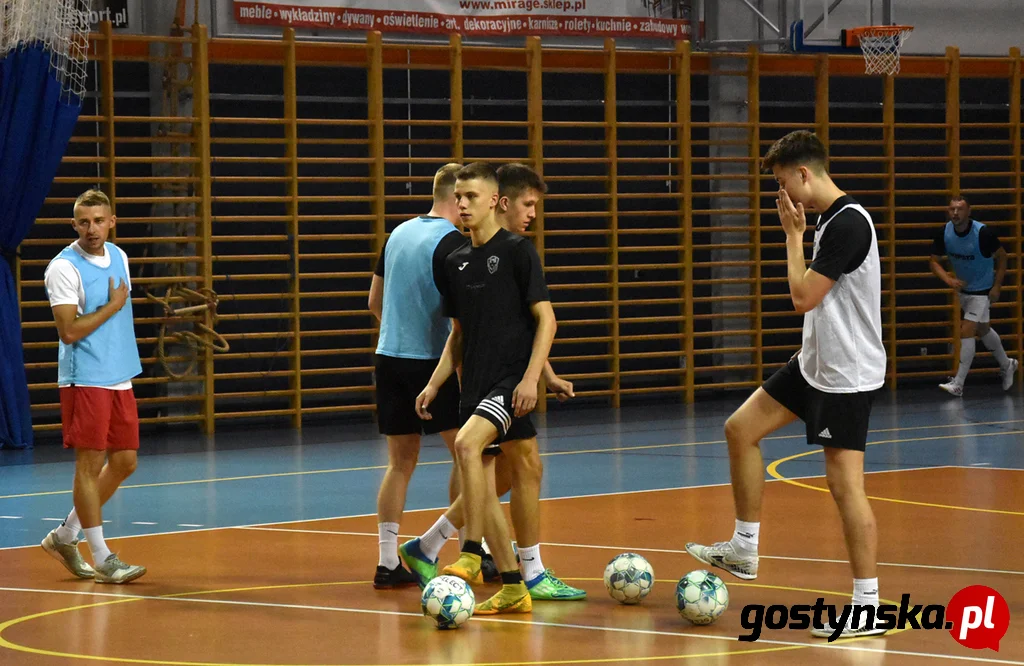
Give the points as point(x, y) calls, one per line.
point(500, 399)
point(825, 434)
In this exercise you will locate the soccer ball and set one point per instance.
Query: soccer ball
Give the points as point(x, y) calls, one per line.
point(701, 597)
point(449, 601)
point(629, 578)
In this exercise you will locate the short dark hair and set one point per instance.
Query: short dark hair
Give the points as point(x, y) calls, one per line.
point(960, 197)
point(515, 178)
point(800, 148)
point(481, 170)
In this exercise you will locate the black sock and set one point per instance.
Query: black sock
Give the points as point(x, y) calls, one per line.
point(473, 547)
point(511, 578)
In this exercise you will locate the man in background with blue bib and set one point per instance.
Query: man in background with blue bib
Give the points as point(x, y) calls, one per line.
point(404, 296)
point(979, 263)
point(88, 287)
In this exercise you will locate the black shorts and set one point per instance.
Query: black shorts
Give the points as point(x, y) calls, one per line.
point(496, 407)
point(399, 382)
point(836, 420)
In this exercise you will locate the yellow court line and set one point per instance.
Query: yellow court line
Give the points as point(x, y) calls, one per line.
point(4, 643)
point(615, 449)
point(772, 469)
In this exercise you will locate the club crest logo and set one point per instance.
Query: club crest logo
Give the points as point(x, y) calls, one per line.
point(492, 264)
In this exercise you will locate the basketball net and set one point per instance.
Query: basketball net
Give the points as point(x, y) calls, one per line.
point(60, 26)
point(881, 45)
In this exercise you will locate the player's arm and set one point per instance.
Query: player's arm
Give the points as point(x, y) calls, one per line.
point(807, 287)
point(997, 282)
point(450, 359)
point(376, 301)
point(524, 398)
point(71, 327)
point(562, 388)
point(935, 261)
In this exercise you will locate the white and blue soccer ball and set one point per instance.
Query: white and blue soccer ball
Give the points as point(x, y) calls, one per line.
point(449, 601)
point(701, 597)
point(629, 578)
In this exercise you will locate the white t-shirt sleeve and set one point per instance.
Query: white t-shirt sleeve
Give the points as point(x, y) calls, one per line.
point(63, 283)
point(124, 258)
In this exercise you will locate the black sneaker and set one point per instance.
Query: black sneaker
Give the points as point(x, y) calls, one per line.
point(387, 579)
point(489, 569)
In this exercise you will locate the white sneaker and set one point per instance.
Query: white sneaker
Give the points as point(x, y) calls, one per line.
point(849, 631)
point(113, 570)
point(68, 555)
point(724, 556)
point(953, 388)
point(1008, 372)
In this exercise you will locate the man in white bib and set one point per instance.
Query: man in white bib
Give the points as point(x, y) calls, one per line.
point(830, 383)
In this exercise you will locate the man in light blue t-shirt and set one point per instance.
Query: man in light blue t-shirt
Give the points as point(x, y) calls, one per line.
point(88, 286)
point(404, 296)
point(979, 263)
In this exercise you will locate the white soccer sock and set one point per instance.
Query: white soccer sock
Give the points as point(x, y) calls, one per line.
point(434, 539)
point(68, 530)
point(995, 345)
point(388, 542)
point(97, 546)
point(966, 358)
point(865, 591)
point(530, 562)
point(745, 537)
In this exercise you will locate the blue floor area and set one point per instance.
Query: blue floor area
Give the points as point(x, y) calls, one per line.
point(187, 481)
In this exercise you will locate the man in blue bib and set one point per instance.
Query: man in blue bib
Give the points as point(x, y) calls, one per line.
point(88, 286)
point(979, 263)
point(405, 298)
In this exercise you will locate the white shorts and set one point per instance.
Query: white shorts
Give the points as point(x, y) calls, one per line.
point(975, 307)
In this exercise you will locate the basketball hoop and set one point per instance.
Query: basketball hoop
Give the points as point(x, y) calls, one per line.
point(881, 45)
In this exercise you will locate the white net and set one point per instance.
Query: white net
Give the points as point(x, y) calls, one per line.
point(60, 26)
point(881, 46)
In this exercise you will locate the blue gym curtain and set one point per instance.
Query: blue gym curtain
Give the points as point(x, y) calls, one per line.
point(36, 122)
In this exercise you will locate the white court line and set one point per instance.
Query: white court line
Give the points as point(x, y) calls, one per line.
point(616, 449)
point(555, 625)
point(189, 525)
point(443, 508)
point(634, 549)
point(988, 466)
point(141, 522)
point(11, 517)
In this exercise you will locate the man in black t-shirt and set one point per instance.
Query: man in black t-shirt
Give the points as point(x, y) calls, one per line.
point(520, 469)
point(503, 327)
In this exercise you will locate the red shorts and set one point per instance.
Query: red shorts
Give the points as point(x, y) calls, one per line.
point(99, 418)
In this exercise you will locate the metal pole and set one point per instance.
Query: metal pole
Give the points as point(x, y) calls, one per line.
point(760, 26)
point(762, 16)
point(822, 18)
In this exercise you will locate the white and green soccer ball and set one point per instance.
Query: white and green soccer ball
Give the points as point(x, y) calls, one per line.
point(449, 601)
point(629, 578)
point(701, 597)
